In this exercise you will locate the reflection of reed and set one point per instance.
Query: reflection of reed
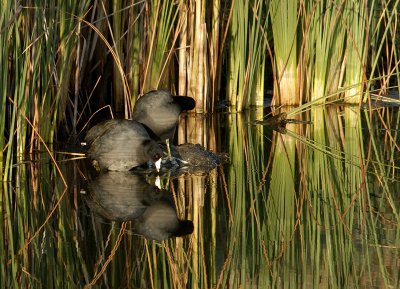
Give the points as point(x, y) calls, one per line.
point(191, 194)
point(312, 211)
point(319, 200)
point(245, 210)
point(281, 202)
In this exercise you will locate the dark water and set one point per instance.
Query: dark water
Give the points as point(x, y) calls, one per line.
point(315, 205)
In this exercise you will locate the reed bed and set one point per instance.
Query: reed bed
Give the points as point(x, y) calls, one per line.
point(314, 206)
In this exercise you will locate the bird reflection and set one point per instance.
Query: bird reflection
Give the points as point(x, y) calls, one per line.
point(125, 196)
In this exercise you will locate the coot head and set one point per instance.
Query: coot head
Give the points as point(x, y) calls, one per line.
point(159, 110)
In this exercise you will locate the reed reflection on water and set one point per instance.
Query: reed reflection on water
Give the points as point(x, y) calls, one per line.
point(314, 206)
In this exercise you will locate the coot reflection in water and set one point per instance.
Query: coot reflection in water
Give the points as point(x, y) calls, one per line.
point(126, 196)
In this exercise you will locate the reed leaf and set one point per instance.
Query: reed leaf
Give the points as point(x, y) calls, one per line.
point(247, 51)
point(161, 26)
point(324, 42)
point(284, 22)
point(356, 16)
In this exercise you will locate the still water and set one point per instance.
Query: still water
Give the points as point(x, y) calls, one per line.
point(315, 205)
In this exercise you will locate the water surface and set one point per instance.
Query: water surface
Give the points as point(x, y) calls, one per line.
point(315, 205)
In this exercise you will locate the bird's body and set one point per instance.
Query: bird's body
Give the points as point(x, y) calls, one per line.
point(159, 110)
point(120, 145)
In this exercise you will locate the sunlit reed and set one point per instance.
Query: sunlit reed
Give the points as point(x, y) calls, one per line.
point(332, 196)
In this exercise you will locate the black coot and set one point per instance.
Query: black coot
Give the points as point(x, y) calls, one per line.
point(119, 145)
point(159, 110)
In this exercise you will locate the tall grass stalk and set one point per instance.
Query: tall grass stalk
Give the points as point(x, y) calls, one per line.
point(7, 16)
point(214, 61)
point(356, 17)
point(382, 38)
point(284, 22)
point(198, 75)
point(116, 34)
point(134, 54)
point(182, 53)
point(247, 51)
point(161, 24)
point(324, 46)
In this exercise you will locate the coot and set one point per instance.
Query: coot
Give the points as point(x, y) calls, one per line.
point(159, 110)
point(120, 145)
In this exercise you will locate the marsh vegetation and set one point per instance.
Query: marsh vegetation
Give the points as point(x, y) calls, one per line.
point(315, 204)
